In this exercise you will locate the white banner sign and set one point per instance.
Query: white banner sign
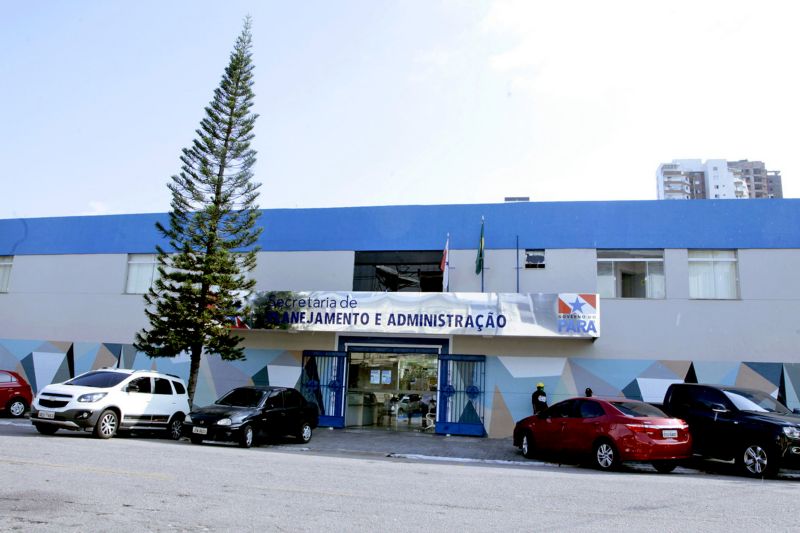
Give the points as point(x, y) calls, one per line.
point(448, 313)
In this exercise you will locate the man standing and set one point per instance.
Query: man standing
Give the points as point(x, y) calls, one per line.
point(539, 399)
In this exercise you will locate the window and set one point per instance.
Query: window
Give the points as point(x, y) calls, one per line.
point(534, 258)
point(98, 379)
point(712, 274)
point(5, 271)
point(590, 409)
point(564, 409)
point(275, 401)
point(637, 409)
point(163, 386)
point(179, 388)
point(6, 378)
point(141, 385)
point(242, 397)
point(708, 399)
point(142, 272)
point(292, 398)
point(401, 271)
point(631, 273)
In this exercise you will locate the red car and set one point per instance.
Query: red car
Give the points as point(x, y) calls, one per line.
point(15, 393)
point(609, 431)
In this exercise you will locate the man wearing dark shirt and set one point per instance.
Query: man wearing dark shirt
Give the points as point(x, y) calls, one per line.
point(539, 399)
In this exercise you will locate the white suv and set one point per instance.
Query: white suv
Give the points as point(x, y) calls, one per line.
point(112, 399)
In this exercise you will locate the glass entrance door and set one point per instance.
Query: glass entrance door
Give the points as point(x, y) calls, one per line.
point(395, 391)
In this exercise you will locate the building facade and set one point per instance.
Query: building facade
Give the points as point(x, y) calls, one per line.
point(689, 179)
point(622, 297)
point(761, 183)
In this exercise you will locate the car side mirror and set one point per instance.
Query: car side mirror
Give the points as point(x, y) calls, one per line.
point(718, 408)
point(796, 411)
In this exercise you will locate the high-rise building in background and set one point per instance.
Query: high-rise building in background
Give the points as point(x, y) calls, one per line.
point(761, 183)
point(688, 179)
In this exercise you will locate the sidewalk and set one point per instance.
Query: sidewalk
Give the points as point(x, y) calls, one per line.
point(414, 445)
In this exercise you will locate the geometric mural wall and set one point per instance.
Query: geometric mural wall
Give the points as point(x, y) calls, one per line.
point(510, 380)
point(513, 380)
point(42, 363)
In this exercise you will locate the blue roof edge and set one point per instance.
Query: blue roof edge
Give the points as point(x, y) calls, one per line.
point(773, 223)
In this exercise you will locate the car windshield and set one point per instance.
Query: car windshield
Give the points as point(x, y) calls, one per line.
point(100, 380)
point(637, 409)
point(752, 400)
point(242, 398)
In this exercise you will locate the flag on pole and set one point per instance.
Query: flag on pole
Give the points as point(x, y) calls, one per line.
point(445, 266)
point(479, 259)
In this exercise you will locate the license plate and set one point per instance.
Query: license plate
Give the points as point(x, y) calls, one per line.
point(669, 433)
point(200, 431)
point(47, 414)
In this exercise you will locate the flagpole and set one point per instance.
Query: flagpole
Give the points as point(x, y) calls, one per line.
point(517, 263)
point(483, 249)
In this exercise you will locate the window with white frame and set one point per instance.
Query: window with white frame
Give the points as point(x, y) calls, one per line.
point(142, 272)
point(631, 273)
point(5, 271)
point(713, 274)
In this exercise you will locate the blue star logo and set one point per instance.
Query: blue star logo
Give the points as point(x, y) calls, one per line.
point(577, 305)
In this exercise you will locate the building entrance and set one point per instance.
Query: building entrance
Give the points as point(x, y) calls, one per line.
point(394, 391)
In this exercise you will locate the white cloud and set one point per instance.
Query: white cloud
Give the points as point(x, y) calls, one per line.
point(97, 208)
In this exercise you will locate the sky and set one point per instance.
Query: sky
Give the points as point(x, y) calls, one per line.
point(377, 102)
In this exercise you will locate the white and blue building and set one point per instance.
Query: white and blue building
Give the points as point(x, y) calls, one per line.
point(622, 297)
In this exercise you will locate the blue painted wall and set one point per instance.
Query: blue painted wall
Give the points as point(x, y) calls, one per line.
point(640, 224)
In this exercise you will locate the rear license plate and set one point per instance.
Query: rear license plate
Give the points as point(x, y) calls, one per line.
point(47, 414)
point(669, 433)
point(200, 431)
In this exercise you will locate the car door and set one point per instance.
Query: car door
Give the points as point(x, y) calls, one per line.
point(549, 432)
point(6, 386)
point(136, 407)
point(273, 415)
point(163, 403)
point(708, 413)
point(293, 408)
point(583, 428)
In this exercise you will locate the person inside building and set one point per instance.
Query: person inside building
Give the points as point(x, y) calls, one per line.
point(588, 392)
point(539, 399)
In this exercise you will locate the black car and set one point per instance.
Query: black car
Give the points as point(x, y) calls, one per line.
point(247, 414)
point(733, 423)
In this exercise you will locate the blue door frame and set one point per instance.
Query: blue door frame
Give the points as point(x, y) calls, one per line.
point(322, 382)
point(462, 395)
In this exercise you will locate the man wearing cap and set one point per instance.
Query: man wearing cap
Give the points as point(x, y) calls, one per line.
point(539, 399)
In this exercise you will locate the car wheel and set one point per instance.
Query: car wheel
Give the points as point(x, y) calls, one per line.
point(304, 433)
point(664, 467)
point(16, 407)
point(756, 460)
point(246, 439)
point(527, 445)
point(175, 428)
point(106, 425)
point(196, 440)
point(606, 456)
point(46, 429)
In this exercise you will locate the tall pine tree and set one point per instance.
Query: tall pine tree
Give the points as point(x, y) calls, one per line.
point(203, 277)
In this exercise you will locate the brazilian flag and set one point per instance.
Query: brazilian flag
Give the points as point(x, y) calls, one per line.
point(479, 259)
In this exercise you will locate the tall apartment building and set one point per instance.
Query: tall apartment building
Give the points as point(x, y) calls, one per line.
point(686, 179)
point(761, 183)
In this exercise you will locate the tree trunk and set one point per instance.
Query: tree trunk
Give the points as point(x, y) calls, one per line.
point(194, 369)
